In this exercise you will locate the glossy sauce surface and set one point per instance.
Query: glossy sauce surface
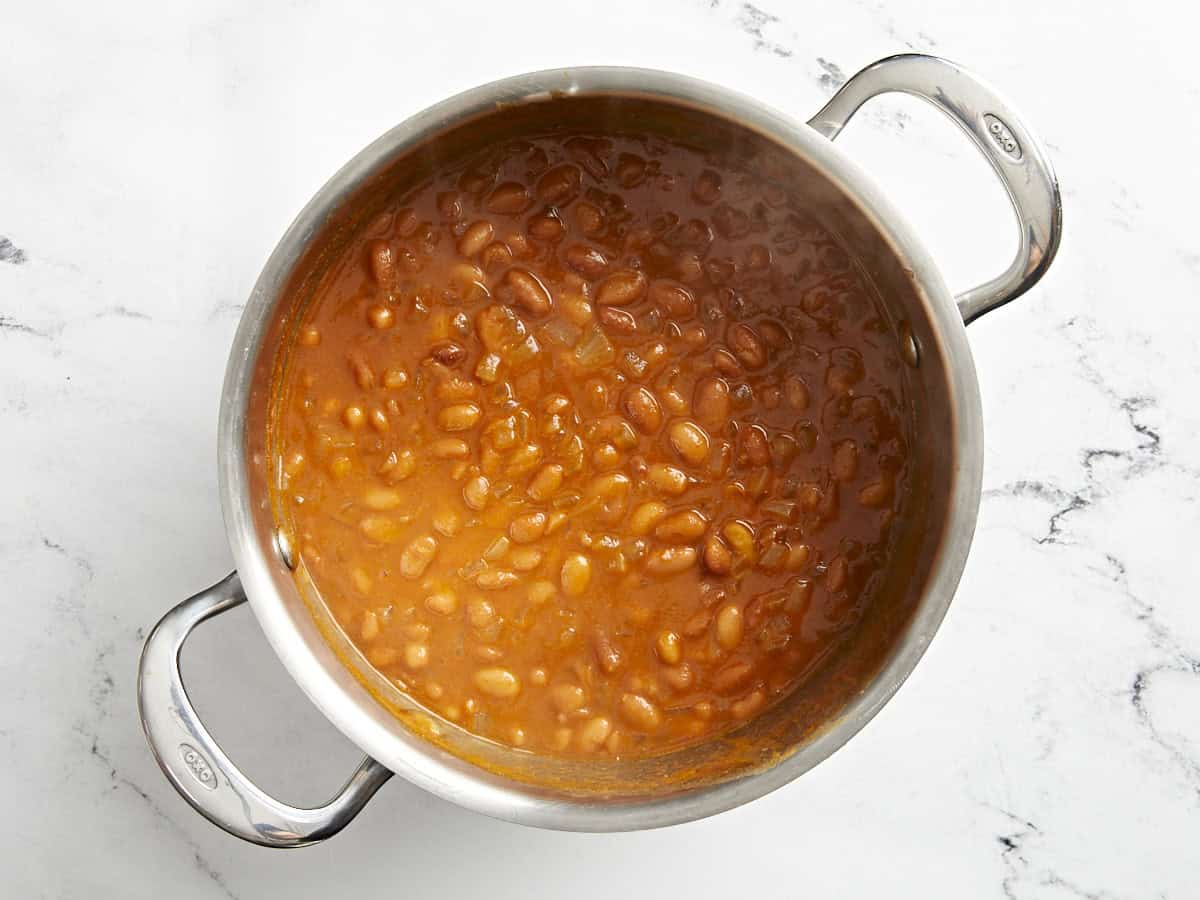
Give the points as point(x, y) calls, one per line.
point(593, 445)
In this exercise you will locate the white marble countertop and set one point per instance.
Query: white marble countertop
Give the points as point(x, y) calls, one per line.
point(1048, 746)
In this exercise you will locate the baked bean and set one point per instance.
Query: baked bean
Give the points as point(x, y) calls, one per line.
point(613, 492)
point(631, 170)
point(671, 560)
point(509, 199)
point(607, 656)
point(546, 482)
point(380, 316)
point(755, 447)
point(798, 556)
point(844, 465)
point(773, 334)
point(617, 320)
point(524, 460)
point(481, 613)
point(525, 559)
point(370, 626)
point(495, 256)
point(642, 409)
point(670, 648)
point(495, 579)
point(382, 263)
point(520, 247)
point(837, 574)
point(875, 495)
point(749, 705)
point(646, 517)
point(681, 677)
point(576, 574)
point(796, 392)
point(497, 549)
point(725, 363)
point(729, 627)
point(587, 261)
point(694, 336)
point(595, 732)
point(448, 353)
point(667, 479)
point(382, 498)
point(640, 712)
point(560, 185)
point(449, 204)
point(674, 301)
point(497, 682)
point(546, 228)
point(622, 288)
point(698, 623)
point(450, 448)
point(527, 528)
point(477, 236)
point(711, 404)
point(707, 188)
point(758, 257)
point(687, 525)
point(674, 401)
point(731, 222)
point(417, 556)
point(589, 218)
point(460, 417)
point(529, 293)
point(416, 656)
point(394, 377)
point(591, 154)
point(443, 602)
point(741, 539)
point(690, 441)
point(606, 456)
point(541, 593)
point(747, 346)
point(575, 309)
point(475, 492)
point(398, 466)
point(567, 698)
point(381, 529)
point(732, 676)
point(717, 558)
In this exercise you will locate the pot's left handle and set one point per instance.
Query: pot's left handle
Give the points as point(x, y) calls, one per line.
point(1001, 136)
point(196, 765)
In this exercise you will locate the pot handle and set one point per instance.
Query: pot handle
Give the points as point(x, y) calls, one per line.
point(196, 765)
point(1015, 154)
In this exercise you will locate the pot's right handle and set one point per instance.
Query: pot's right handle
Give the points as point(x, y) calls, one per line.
point(199, 769)
point(999, 133)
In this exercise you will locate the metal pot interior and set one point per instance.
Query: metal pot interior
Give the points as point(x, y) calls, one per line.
point(850, 685)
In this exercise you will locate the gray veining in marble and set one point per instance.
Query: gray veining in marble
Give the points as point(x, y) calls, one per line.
point(1047, 747)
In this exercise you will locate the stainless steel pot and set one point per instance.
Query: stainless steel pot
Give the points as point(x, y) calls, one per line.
point(931, 322)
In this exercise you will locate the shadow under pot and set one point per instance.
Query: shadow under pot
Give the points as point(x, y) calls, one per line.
point(619, 270)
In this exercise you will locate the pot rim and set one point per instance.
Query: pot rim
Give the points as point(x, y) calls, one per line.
point(512, 800)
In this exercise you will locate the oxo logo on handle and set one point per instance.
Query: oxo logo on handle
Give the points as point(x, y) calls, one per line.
point(198, 766)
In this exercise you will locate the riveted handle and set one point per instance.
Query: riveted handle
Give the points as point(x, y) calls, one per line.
point(198, 768)
point(1015, 154)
